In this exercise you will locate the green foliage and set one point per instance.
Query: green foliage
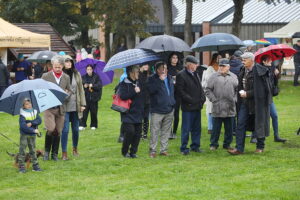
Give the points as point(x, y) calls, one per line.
point(102, 173)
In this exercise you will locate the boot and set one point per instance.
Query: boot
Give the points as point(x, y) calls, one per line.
point(55, 147)
point(278, 139)
point(65, 156)
point(48, 144)
point(75, 151)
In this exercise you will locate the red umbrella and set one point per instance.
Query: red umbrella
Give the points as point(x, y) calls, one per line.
point(276, 52)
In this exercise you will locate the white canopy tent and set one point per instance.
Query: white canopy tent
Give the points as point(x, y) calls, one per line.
point(285, 32)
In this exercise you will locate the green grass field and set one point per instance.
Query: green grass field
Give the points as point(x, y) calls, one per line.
point(102, 173)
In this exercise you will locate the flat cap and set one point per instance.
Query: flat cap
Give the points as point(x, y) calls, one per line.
point(223, 62)
point(191, 59)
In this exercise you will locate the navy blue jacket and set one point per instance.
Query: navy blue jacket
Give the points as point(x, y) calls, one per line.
point(160, 101)
point(135, 113)
point(235, 66)
point(29, 117)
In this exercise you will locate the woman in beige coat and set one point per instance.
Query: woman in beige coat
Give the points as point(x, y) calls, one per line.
point(74, 107)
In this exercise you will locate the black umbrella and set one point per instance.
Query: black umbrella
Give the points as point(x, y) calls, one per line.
point(41, 56)
point(217, 42)
point(163, 43)
point(296, 35)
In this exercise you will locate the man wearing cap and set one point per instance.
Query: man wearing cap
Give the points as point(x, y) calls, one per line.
point(192, 96)
point(221, 91)
point(297, 62)
point(22, 69)
point(254, 102)
point(54, 117)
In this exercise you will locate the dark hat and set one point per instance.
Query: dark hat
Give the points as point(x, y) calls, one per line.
point(191, 59)
point(238, 53)
point(224, 62)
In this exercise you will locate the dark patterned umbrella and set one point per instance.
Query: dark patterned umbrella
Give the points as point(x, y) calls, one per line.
point(41, 56)
point(130, 57)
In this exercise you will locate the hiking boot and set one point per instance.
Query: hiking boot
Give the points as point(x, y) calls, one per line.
point(36, 168)
point(22, 169)
point(164, 153)
point(46, 156)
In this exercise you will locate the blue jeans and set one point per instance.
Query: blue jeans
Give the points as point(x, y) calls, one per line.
point(217, 125)
point(191, 123)
point(73, 118)
point(274, 116)
point(209, 121)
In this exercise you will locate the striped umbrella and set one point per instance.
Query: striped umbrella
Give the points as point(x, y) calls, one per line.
point(130, 57)
point(263, 41)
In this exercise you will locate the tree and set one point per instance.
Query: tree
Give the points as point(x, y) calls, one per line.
point(168, 16)
point(237, 17)
point(188, 22)
point(125, 19)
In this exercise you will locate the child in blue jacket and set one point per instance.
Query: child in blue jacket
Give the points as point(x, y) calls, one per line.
point(29, 121)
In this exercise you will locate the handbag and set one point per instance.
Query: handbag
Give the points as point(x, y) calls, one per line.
point(120, 105)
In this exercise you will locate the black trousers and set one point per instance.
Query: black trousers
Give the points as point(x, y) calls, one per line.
point(52, 143)
point(132, 135)
point(146, 119)
point(176, 116)
point(297, 73)
point(91, 107)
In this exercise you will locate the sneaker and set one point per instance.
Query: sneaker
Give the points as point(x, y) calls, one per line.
point(212, 148)
point(93, 128)
point(164, 153)
point(36, 168)
point(127, 155)
point(81, 128)
point(133, 155)
point(22, 170)
point(185, 152)
point(152, 155)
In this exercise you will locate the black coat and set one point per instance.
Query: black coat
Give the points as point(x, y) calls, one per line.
point(262, 99)
point(190, 90)
point(160, 101)
point(235, 66)
point(297, 55)
point(96, 93)
point(249, 100)
point(126, 91)
point(4, 74)
point(143, 79)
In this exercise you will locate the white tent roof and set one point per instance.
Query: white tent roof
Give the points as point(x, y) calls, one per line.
point(285, 32)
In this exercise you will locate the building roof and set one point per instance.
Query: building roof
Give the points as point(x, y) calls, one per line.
point(262, 12)
point(202, 11)
point(57, 43)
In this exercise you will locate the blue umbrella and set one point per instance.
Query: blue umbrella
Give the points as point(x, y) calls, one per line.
point(43, 95)
point(130, 57)
point(217, 42)
point(248, 43)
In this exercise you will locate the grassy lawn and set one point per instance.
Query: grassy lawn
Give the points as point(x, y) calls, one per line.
point(102, 173)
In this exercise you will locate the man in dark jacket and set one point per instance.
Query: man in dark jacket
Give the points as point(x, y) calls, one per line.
point(22, 68)
point(192, 96)
point(161, 90)
point(254, 104)
point(297, 62)
point(4, 77)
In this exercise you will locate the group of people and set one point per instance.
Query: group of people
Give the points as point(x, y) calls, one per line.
point(84, 92)
point(238, 93)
